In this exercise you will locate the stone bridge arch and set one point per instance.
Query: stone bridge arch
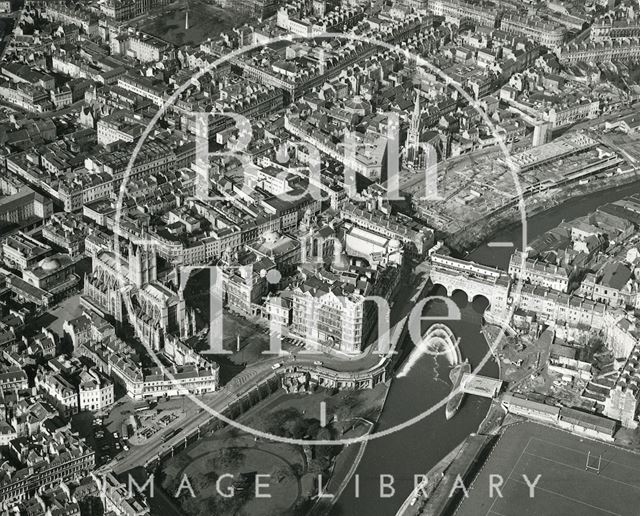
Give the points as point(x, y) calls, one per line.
point(474, 280)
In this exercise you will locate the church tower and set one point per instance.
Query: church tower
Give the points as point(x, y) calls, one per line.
point(143, 268)
point(413, 135)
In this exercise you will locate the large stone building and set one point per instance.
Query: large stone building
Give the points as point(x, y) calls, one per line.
point(558, 308)
point(613, 285)
point(622, 49)
point(54, 274)
point(158, 382)
point(95, 391)
point(116, 282)
point(538, 273)
point(24, 205)
point(415, 238)
point(457, 11)
point(22, 251)
point(605, 28)
point(122, 10)
point(550, 35)
point(337, 306)
point(245, 281)
point(43, 460)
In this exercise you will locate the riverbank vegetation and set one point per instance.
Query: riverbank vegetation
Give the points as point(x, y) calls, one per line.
point(230, 460)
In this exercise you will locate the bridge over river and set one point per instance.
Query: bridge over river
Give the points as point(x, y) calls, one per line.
point(471, 278)
point(479, 385)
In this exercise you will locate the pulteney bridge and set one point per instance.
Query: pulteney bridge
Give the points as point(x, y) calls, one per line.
point(471, 278)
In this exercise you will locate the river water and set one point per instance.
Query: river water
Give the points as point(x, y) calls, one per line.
point(417, 448)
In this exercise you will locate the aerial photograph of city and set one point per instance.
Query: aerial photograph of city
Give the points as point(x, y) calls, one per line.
point(319, 257)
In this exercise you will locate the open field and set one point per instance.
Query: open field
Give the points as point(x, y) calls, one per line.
point(565, 485)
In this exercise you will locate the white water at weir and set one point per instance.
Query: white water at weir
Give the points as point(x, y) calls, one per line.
point(419, 390)
point(439, 340)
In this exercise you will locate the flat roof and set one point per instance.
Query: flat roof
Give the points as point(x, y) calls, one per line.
point(552, 150)
point(491, 386)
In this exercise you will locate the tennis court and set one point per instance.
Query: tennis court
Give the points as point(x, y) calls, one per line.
point(576, 476)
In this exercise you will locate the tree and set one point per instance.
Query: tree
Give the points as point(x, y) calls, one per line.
point(231, 457)
point(594, 345)
point(280, 472)
point(326, 451)
point(311, 428)
point(344, 406)
point(318, 466)
point(282, 421)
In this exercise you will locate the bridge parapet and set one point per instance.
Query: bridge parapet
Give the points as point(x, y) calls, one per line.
point(479, 385)
point(440, 260)
point(472, 279)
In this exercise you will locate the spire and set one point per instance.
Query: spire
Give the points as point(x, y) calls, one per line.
point(413, 135)
point(415, 119)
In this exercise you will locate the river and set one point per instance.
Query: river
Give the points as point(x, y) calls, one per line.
point(416, 449)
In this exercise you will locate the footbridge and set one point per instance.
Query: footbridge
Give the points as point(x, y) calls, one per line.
point(471, 278)
point(480, 385)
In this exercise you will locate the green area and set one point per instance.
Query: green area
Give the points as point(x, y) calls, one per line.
point(221, 474)
point(292, 473)
point(565, 485)
point(205, 21)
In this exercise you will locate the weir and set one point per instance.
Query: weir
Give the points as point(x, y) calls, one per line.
point(438, 340)
point(439, 336)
